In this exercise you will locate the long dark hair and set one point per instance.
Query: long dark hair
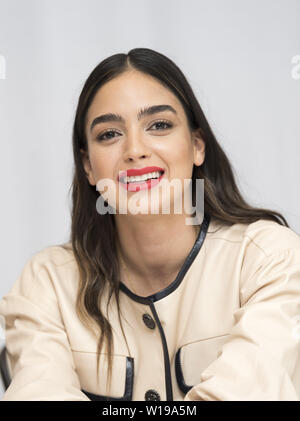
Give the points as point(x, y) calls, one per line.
point(93, 236)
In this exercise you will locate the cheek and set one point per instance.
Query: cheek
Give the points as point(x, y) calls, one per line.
point(176, 147)
point(180, 157)
point(101, 163)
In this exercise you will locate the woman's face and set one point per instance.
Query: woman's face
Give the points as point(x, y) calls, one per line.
point(161, 139)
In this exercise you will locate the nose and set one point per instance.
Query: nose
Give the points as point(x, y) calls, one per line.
point(135, 148)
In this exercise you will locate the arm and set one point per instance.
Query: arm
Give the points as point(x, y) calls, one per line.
point(36, 341)
point(259, 359)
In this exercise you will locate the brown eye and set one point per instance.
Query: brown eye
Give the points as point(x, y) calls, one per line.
point(161, 123)
point(108, 133)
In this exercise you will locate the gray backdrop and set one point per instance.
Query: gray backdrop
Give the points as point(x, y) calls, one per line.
point(242, 57)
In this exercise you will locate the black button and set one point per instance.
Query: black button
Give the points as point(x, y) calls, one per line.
point(152, 395)
point(149, 322)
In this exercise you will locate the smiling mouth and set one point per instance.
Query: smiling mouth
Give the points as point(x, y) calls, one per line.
point(142, 182)
point(141, 178)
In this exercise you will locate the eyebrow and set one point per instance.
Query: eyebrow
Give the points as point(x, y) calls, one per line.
point(142, 113)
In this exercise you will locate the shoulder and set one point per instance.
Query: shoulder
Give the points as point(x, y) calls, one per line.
point(271, 237)
point(256, 248)
point(45, 270)
point(56, 255)
point(265, 237)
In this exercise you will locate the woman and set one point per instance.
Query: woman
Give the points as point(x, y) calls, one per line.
point(144, 306)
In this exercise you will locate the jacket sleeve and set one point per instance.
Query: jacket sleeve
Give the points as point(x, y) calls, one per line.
point(39, 354)
point(259, 359)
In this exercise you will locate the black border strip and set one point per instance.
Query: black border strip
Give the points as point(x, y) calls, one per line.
point(175, 284)
point(168, 378)
point(5, 375)
point(128, 386)
point(179, 374)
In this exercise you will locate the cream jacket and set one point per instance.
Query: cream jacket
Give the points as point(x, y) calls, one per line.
point(227, 328)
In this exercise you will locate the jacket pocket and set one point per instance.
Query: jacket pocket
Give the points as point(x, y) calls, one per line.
point(95, 387)
point(191, 359)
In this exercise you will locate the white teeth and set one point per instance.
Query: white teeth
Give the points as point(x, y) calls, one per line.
point(144, 177)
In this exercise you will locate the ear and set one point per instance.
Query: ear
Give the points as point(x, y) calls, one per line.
point(87, 167)
point(199, 147)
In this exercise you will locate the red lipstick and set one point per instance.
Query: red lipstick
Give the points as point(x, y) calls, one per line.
point(138, 171)
point(140, 185)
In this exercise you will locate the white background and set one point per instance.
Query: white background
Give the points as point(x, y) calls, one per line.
point(237, 55)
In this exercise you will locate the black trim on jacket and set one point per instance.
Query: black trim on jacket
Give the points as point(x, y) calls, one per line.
point(168, 378)
point(179, 374)
point(128, 386)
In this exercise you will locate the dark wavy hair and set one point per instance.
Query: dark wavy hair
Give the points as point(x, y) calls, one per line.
point(93, 236)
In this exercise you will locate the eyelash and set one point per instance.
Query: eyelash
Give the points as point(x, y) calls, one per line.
point(100, 137)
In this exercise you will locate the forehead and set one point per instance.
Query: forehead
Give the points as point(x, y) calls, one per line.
point(128, 93)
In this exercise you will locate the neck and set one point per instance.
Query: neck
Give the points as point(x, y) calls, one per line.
point(153, 250)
